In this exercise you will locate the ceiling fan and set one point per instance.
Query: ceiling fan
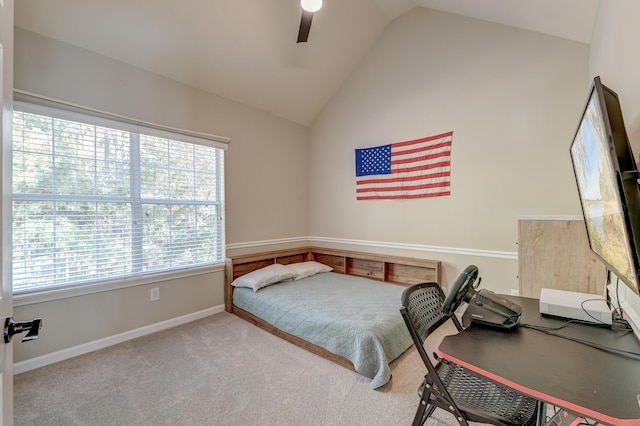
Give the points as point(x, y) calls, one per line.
point(309, 7)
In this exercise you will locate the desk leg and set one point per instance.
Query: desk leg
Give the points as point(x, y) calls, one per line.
point(542, 414)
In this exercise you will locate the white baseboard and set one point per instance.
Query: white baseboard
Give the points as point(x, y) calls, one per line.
point(41, 361)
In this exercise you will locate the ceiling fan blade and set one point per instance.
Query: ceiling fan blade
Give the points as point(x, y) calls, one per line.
point(305, 26)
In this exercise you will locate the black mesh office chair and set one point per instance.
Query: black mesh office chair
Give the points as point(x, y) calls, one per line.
point(449, 386)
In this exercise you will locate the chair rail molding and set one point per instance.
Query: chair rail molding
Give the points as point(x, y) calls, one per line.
point(311, 240)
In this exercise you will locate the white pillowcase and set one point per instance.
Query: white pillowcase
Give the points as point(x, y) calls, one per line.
point(263, 277)
point(306, 269)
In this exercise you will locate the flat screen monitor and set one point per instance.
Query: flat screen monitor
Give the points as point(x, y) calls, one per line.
point(607, 179)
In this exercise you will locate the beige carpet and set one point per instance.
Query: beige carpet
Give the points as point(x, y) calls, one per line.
point(220, 370)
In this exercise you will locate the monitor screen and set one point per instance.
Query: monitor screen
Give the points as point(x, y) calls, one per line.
point(607, 180)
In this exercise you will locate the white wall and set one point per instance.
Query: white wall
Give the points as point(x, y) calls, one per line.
point(266, 182)
point(615, 57)
point(512, 99)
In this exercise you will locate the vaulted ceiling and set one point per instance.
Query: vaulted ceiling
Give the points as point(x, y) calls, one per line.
point(246, 50)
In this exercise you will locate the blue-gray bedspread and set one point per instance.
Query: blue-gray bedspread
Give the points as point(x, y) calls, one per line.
point(356, 318)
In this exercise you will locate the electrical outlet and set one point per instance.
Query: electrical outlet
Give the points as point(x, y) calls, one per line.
point(155, 294)
point(515, 292)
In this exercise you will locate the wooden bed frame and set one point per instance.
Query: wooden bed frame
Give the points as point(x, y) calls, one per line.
point(391, 269)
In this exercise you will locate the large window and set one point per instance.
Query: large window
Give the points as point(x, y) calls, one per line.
point(93, 203)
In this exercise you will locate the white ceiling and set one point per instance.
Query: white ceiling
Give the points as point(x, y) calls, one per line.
point(246, 50)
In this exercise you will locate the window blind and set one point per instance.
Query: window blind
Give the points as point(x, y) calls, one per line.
point(95, 203)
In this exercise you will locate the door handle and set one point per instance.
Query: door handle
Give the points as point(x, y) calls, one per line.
point(12, 327)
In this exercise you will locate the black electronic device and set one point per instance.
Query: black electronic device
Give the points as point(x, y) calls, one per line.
point(485, 308)
point(607, 178)
point(488, 309)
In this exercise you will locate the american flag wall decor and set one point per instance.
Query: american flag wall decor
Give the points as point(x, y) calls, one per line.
point(412, 169)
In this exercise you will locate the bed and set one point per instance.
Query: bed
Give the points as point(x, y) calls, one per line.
point(349, 315)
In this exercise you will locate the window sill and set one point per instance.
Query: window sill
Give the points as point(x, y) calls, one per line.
point(85, 289)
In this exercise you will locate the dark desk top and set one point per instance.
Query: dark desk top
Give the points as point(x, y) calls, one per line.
point(597, 384)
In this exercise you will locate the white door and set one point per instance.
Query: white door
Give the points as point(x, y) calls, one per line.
point(6, 305)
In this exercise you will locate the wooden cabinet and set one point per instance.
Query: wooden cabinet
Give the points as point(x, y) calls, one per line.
point(554, 253)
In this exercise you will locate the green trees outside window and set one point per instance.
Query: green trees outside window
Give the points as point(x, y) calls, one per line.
point(92, 203)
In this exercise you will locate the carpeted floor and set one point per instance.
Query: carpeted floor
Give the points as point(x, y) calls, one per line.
point(220, 370)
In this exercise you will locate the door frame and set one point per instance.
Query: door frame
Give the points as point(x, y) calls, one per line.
point(6, 111)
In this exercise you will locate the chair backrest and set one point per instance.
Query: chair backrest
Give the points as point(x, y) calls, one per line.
point(422, 303)
point(422, 313)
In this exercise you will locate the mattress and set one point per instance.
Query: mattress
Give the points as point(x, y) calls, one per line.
point(354, 317)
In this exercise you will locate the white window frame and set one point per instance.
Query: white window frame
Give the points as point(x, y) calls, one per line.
point(35, 104)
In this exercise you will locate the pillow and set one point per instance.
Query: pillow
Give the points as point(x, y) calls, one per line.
point(306, 269)
point(264, 276)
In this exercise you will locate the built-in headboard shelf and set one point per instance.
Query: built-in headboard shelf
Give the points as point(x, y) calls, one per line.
point(391, 269)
